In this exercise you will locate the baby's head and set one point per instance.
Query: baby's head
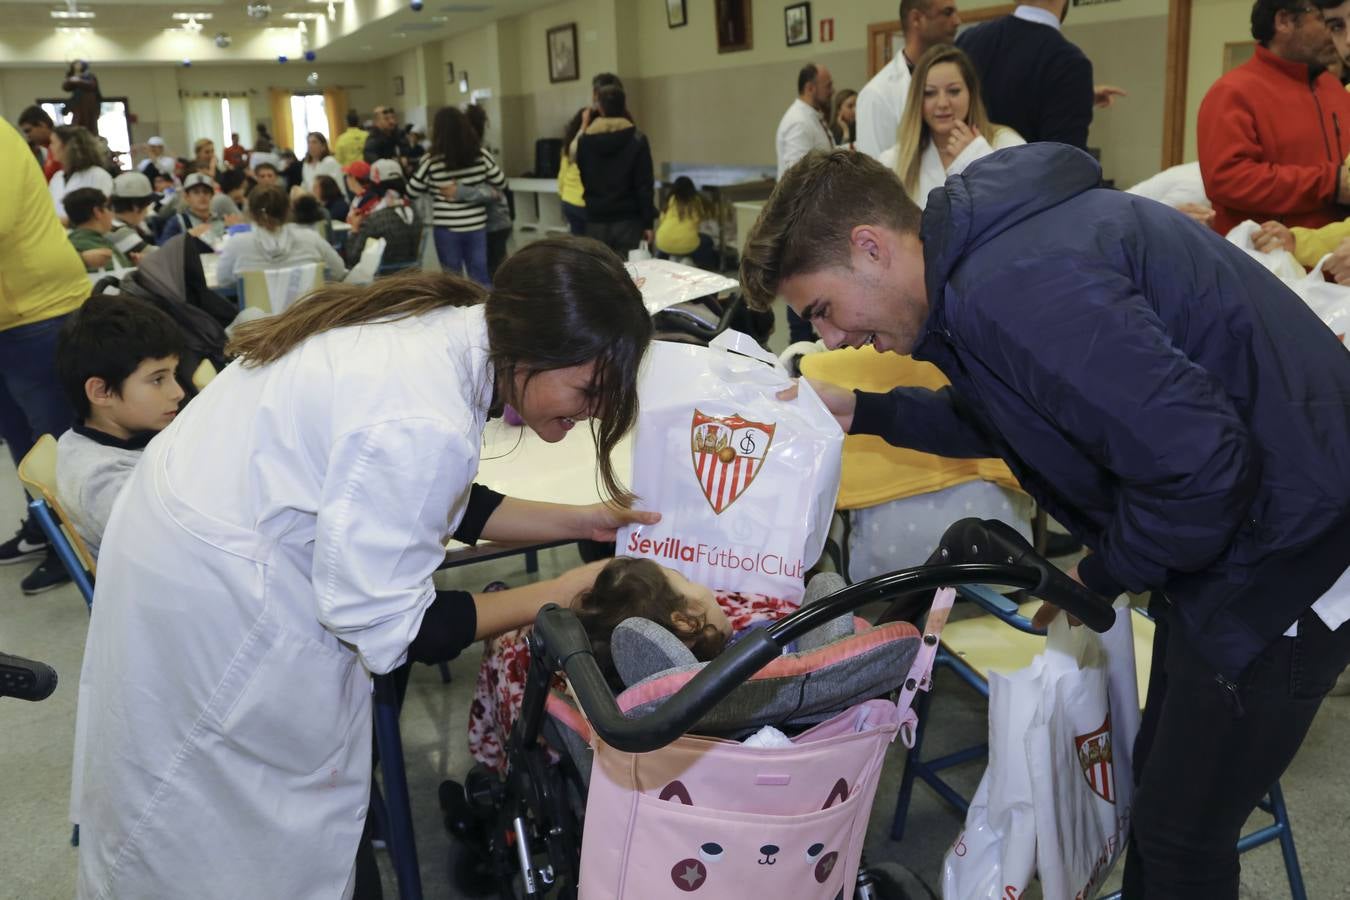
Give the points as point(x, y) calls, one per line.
point(628, 588)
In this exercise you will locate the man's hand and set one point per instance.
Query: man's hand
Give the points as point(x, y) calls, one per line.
point(450, 191)
point(1273, 236)
point(960, 137)
point(1104, 95)
point(841, 402)
point(96, 259)
point(1046, 614)
point(1199, 212)
point(1337, 266)
point(199, 230)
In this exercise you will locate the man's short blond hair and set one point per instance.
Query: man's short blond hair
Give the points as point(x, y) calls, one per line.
point(807, 223)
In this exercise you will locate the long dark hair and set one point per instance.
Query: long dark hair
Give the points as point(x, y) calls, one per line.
point(322, 140)
point(555, 304)
point(454, 140)
point(571, 131)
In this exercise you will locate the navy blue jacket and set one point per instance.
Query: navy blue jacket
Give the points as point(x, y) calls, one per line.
point(1161, 394)
point(1033, 79)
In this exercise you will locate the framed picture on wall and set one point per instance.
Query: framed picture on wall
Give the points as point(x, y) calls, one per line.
point(398, 85)
point(449, 73)
point(676, 15)
point(562, 53)
point(734, 31)
point(797, 24)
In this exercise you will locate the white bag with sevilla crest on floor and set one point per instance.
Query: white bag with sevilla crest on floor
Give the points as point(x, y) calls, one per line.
point(745, 482)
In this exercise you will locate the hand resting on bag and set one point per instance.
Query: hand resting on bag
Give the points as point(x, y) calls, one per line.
point(841, 402)
point(1046, 614)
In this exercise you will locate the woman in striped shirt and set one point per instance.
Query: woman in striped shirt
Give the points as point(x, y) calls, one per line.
point(457, 158)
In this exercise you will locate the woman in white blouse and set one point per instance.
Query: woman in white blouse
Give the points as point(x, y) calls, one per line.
point(944, 127)
point(319, 161)
point(81, 159)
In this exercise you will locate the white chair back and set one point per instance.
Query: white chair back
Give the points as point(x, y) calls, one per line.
point(272, 290)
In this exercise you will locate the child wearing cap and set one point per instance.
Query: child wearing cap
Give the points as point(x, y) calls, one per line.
point(196, 218)
point(364, 197)
point(131, 199)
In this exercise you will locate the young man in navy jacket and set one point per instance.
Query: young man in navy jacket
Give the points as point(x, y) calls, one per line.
point(1159, 393)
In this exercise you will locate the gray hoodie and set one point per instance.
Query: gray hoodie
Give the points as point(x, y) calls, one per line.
point(290, 245)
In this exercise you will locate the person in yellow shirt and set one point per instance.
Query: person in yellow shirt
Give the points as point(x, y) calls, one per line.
point(42, 280)
point(570, 190)
point(678, 233)
point(351, 144)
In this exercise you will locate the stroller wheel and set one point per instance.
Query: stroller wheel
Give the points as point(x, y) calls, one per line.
point(460, 819)
point(471, 870)
point(895, 882)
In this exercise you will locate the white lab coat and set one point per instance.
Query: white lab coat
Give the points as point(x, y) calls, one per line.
point(274, 546)
point(933, 175)
point(801, 130)
point(880, 103)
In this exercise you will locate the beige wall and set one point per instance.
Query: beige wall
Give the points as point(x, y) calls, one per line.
point(1131, 54)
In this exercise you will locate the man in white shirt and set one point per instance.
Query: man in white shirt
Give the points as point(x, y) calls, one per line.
point(803, 127)
point(924, 24)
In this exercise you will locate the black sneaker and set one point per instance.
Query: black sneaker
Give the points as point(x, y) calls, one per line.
point(28, 543)
point(49, 574)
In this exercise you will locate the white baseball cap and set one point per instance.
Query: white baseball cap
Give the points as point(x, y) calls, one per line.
point(384, 170)
point(156, 141)
point(197, 179)
point(132, 186)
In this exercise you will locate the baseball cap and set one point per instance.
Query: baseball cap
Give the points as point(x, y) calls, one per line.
point(358, 169)
point(156, 141)
point(198, 179)
point(132, 186)
point(384, 170)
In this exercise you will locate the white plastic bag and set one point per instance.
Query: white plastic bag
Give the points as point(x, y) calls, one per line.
point(1281, 261)
point(664, 283)
point(1058, 791)
point(1329, 300)
point(1080, 756)
point(745, 482)
point(642, 252)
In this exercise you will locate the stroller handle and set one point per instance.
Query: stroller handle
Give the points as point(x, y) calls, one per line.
point(997, 554)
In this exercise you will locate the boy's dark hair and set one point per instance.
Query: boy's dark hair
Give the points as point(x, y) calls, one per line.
point(267, 165)
point(268, 205)
point(107, 338)
point(81, 204)
point(326, 189)
point(806, 76)
point(231, 180)
point(306, 210)
point(629, 588)
point(1264, 12)
point(353, 120)
point(612, 101)
point(36, 115)
point(807, 222)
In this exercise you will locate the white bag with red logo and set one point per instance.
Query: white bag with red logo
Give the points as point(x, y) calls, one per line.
point(745, 482)
point(1058, 791)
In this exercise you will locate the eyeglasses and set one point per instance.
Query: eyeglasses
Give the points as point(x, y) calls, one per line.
point(1311, 10)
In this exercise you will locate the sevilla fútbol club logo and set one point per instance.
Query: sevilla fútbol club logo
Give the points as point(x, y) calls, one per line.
point(1094, 758)
point(728, 453)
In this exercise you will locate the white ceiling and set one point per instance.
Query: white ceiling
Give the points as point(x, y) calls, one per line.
point(383, 36)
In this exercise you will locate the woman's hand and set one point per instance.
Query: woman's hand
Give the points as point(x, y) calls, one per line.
point(1273, 236)
point(450, 191)
point(601, 521)
point(841, 402)
point(960, 137)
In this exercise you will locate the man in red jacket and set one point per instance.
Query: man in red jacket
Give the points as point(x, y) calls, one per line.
point(1274, 132)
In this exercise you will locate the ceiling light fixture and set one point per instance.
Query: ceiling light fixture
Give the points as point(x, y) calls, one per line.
point(72, 14)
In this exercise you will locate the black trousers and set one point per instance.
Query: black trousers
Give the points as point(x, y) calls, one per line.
point(1205, 756)
point(620, 236)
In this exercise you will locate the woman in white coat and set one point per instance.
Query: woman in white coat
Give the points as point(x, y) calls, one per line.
point(944, 127)
point(275, 547)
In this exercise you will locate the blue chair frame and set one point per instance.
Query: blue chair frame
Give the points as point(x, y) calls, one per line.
point(51, 527)
point(393, 811)
point(927, 770)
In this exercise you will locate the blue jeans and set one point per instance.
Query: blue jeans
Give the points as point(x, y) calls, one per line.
point(576, 218)
point(463, 250)
point(32, 402)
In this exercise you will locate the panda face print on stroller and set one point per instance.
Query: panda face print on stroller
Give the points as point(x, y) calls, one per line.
point(668, 814)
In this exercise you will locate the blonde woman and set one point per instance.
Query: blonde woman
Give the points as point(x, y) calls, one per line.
point(81, 159)
point(204, 158)
point(944, 127)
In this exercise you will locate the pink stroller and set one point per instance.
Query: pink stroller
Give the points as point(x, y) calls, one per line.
point(638, 809)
